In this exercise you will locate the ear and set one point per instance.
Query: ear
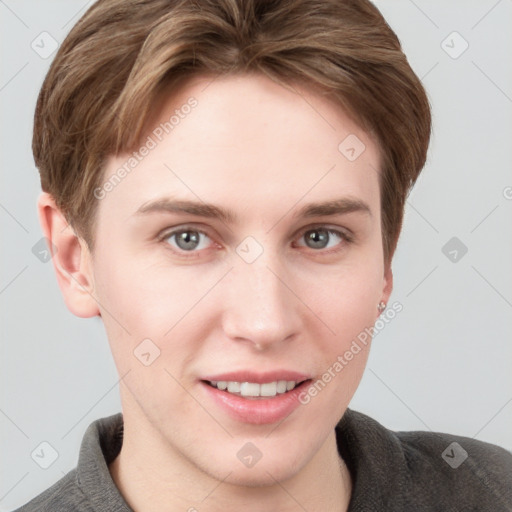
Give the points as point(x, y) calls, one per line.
point(71, 259)
point(387, 282)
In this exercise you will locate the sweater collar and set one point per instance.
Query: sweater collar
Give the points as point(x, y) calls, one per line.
point(376, 461)
point(372, 453)
point(100, 446)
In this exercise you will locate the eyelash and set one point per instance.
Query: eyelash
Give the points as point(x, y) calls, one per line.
point(344, 236)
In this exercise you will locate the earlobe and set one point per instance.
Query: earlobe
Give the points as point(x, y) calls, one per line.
point(71, 259)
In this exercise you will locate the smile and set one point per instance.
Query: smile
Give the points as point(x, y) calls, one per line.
point(254, 389)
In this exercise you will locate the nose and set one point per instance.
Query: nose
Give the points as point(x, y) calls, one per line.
point(260, 309)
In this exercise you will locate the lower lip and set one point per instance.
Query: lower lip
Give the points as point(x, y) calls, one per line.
point(257, 411)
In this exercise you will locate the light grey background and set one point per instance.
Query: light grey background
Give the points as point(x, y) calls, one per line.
point(443, 364)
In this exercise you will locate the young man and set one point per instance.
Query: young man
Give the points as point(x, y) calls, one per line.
point(224, 184)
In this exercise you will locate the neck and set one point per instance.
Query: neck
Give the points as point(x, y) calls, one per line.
point(152, 478)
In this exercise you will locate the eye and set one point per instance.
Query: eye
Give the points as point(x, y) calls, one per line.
point(323, 238)
point(187, 239)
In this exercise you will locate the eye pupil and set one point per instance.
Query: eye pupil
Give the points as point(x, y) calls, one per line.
point(187, 240)
point(318, 237)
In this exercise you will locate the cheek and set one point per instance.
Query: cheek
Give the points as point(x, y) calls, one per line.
point(346, 302)
point(147, 300)
point(346, 299)
point(143, 298)
point(349, 309)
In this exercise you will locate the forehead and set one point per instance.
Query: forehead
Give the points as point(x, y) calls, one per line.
point(246, 138)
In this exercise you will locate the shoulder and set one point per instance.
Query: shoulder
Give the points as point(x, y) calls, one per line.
point(89, 486)
point(63, 496)
point(425, 470)
point(479, 472)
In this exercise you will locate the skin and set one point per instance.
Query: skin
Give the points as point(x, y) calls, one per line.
point(263, 152)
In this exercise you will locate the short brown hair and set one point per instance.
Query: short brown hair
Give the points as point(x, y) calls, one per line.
point(121, 54)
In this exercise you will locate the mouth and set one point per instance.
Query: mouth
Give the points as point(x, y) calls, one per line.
point(264, 402)
point(253, 397)
point(256, 390)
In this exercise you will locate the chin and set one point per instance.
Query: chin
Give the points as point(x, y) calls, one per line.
point(276, 466)
point(265, 476)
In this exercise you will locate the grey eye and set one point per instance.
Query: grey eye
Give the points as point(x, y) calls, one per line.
point(188, 239)
point(317, 238)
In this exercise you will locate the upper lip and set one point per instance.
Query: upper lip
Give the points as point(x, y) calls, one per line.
point(259, 378)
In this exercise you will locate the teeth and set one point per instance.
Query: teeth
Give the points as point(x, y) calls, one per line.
point(234, 387)
point(268, 389)
point(249, 389)
point(281, 386)
point(253, 389)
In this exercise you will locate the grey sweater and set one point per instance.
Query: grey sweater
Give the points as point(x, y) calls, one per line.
point(391, 471)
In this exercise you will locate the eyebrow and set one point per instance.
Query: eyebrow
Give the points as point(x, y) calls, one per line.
point(340, 206)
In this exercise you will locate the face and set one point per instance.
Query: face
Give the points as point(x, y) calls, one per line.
point(242, 246)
